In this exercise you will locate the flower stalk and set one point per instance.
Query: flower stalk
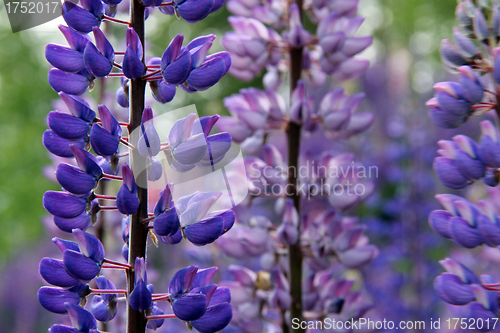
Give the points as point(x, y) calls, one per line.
point(136, 320)
point(293, 136)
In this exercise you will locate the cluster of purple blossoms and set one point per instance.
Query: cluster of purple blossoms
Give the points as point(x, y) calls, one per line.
point(254, 46)
point(475, 56)
point(96, 151)
point(77, 66)
point(296, 225)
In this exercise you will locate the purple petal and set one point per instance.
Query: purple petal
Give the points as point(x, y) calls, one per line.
point(182, 280)
point(89, 245)
point(472, 91)
point(221, 295)
point(243, 275)
point(452, 290)
point(63, 245)
point(78, 107)
point(163, 92)
point(74, 180)
point(356, 45)
point(217, 5)
point(101, 310)
point(133, 68)
point(96, 63)
point(82, 222)
point(210, 72)
point(358, 256)
point(449, 173)
point(69, 83)
point(165, 200)
point(194, 10)
point(86, 162)
point(453, 105)
point(468, 166)
point(81, 319)
point(204, 232)
point(126, 201)
point(172, 51)
point(332, 42)
point(195, 207)
point(203, 277)
point(238, 132)
point(53, 271)
point(103, 45)
point(62, 329)
point(450, 55)
point(190, 306)
point(489, 152)
point(444, 119)
point(80, 266)
point(109, 122)
point(134, 41)
point(463, 234)
point(78, 18)
point(140, 271)
point(149, 143)
point(68, 126)
point(206, 124)
point(218, 145)
point(191, 151)
point(122, 97)
point(481, 29)
point(199, 49)
point(167, 223)
point(439, 220)
point(103, 142)
point(103, 283)
point(208, 291)
point(128, 178)
point(489, 230)
point(63, 204)
point(140, 297)
point(93, 6)
point(155, 323)
point(64, 58)
point(228, 218)
point(181, 130)
point(172, 240)
point(215, 318)
point(178, 70)
point(53, 299)
point(75, 40)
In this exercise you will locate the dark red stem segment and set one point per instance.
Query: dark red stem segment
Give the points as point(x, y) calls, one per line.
point(136, 321)
point(293, 135)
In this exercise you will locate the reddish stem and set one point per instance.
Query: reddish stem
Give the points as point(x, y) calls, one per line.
point(108, 291)
point(108, 176)
point(108, 207)
point(104, 197)
point(151, 74)
point(112, 19)
point(165, 316)
point(117, 263)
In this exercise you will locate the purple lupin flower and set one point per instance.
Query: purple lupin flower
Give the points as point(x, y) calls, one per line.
point(105, 138)
point(126, 198)
point(140, 297)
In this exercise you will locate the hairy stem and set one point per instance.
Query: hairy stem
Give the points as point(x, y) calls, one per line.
point(136, 321)
point(293, 134)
